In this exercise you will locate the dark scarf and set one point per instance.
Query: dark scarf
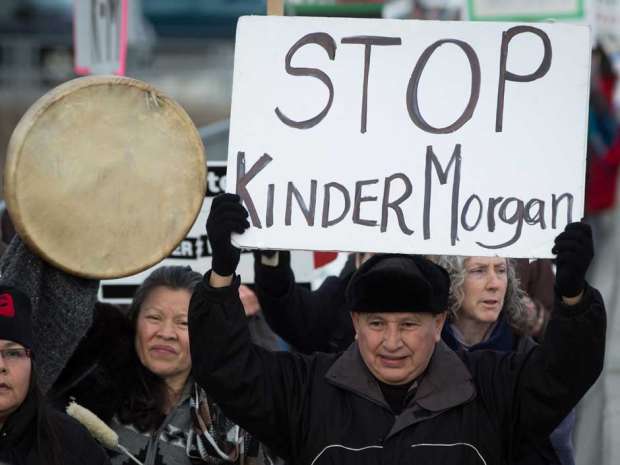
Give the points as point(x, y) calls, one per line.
point(501, 338)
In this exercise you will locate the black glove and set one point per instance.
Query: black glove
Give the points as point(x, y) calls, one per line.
point(227, 215)
point(574, 249)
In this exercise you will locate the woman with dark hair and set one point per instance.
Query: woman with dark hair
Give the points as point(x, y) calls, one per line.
point(167, 417)
point(158, 314)
point(31, 433)
point(160, 415)
point(487, 311)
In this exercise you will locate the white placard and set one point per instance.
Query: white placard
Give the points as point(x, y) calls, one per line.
point(438, 148)
point(525, 10)
point(195, 251)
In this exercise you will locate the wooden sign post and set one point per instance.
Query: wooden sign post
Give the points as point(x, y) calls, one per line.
point(275, 7)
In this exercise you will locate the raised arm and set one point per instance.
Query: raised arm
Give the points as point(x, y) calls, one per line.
point(311, 321)
point(571, 358)
point(541, 387)
point(262, 391)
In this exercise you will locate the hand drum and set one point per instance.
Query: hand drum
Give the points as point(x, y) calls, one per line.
point(104, 176)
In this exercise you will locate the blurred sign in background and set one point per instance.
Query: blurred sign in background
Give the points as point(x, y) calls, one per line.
point(100, 36)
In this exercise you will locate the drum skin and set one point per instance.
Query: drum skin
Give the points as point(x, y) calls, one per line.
point(104, 176)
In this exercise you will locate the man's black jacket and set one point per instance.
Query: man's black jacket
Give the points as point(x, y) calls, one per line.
point(328, 409)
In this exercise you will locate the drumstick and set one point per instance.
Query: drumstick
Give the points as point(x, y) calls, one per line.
point(98, 429)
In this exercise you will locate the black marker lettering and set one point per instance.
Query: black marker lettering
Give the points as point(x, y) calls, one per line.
point(326, 222)
point(539, 214)
point(493, 202)
point(554, 208)
point(244, 178)
point(517, 217)
point(433, 161)
point(359, 200)
point(395, 204)
point(412, 89)
point(270, 194)
point(368, 42)
point(505, 75)
point(308, 212)
point(466, 210)
point(329, 45)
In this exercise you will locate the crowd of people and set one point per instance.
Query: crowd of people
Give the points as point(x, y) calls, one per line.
point(397, 359)
point(400, 358)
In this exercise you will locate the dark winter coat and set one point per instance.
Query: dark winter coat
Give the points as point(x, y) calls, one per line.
point(310, 321)
point(19, 443)
point(558, 449)
point(328, 409)
point(320, 321)
point(102, 369)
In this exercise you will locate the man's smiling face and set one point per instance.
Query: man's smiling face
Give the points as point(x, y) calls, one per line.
point(397, 347)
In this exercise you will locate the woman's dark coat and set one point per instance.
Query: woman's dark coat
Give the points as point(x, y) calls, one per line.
point(19, 443)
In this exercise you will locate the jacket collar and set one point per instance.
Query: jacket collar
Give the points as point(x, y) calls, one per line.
point(351, 373)
point(446, 383)
point(501, 337)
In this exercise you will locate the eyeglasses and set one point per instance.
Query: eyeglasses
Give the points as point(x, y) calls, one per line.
point(15, 355)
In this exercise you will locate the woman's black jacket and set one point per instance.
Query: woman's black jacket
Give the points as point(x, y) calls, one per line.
point(32, 437)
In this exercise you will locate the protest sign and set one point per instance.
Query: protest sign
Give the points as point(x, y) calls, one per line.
point(100, 36)
point(195, 251)
point(408, 136)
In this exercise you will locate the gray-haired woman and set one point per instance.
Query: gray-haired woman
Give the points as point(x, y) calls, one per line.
point(487, 311)
point(486, 306)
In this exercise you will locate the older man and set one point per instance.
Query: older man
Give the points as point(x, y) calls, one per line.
point(398, 395)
